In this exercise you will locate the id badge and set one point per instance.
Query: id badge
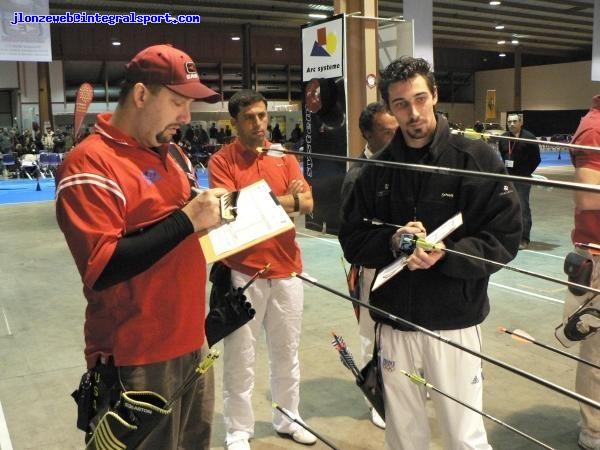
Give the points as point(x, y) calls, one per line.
point(509, 163)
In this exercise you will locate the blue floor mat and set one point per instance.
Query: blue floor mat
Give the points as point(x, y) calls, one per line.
point(555, 158)
point(27, 191)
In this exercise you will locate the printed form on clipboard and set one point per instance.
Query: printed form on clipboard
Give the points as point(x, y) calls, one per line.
point(259, 216)
point(440, 233)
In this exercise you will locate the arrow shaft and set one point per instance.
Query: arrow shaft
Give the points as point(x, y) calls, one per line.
point(303, 425)
point(496, 362)
point(419, 380)
point(523, 271)
point(552, 349)
point(452, 171)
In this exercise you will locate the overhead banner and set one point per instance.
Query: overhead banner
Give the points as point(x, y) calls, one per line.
point(324, 115)
point(21, 37)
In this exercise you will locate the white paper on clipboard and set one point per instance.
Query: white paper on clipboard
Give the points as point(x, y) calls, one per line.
point(436, 236)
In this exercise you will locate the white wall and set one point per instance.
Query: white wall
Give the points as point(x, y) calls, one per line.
point(9, 78)
point(554, 86)
point(458, 112)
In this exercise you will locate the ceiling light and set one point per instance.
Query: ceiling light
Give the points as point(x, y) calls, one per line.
point(115, 42)
point(494, 3)
point(278, 48)
point(317, 16)
point(501, 41)
point(514, 41)
point(499, 26)
point(235, 38)
point(501, 55)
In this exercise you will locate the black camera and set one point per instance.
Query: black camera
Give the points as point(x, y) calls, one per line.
point(408, 242)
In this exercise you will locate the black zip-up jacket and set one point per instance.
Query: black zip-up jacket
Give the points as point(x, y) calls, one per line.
point(452, 294)
point(525, 155)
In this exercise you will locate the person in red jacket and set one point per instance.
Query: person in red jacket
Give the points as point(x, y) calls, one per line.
point(587, 230)
point(124, 204)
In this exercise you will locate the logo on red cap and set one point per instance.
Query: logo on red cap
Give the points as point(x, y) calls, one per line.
point(190, 68)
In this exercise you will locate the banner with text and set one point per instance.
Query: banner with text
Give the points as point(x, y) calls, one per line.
point(85, 95)
point(24, 40)
point(324, 116)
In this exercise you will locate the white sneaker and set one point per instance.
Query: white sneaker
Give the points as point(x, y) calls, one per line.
point(303, 436)
point(241, 444)
point(587, 442)
point(377, 419)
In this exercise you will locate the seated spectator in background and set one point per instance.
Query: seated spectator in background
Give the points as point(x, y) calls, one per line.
point(5, 141)
point(48, 140)
point(58, 141)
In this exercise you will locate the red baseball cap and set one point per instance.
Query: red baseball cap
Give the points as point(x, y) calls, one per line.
point(166, 65)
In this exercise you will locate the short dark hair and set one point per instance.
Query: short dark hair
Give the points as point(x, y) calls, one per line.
point(365, 121)
point(403, 69)
point(242, 99)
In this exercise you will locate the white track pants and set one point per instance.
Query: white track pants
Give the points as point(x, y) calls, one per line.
point(278, 304)
point(451, 370)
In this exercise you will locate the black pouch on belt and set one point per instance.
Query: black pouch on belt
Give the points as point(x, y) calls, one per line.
point(579, 268)
point(84, 398)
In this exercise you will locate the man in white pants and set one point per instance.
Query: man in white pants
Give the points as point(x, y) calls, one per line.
point(277, 296)
point(443, 292)
point(378, 127)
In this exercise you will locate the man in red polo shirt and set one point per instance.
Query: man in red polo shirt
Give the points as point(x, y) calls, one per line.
point(278, 297)
point(587, 230)
point(124, 204)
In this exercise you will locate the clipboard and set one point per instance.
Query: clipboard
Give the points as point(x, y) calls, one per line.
point(259, 216)
point(436, 236)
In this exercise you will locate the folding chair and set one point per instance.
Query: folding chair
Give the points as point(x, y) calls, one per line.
point(54, 160)
point(10, 165)
point(44, 163)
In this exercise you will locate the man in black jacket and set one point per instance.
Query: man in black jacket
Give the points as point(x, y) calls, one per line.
point(521, 158)
point(440, 291)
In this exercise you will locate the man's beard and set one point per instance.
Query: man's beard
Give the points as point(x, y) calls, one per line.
point(162, 138)
point(417, 133)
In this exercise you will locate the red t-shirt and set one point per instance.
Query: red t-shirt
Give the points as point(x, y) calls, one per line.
point(234, 167)
point(110, 186)
point(587, 223)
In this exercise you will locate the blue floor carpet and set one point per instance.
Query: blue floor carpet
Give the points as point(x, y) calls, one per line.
point(26, 191)
point(555, 158)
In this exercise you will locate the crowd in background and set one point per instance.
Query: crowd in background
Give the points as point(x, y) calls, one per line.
point(34, 141)
point(198, 142)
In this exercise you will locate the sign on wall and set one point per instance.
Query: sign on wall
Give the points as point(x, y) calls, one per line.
point(22, 36)
point(324, 115)
point(490, 104)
